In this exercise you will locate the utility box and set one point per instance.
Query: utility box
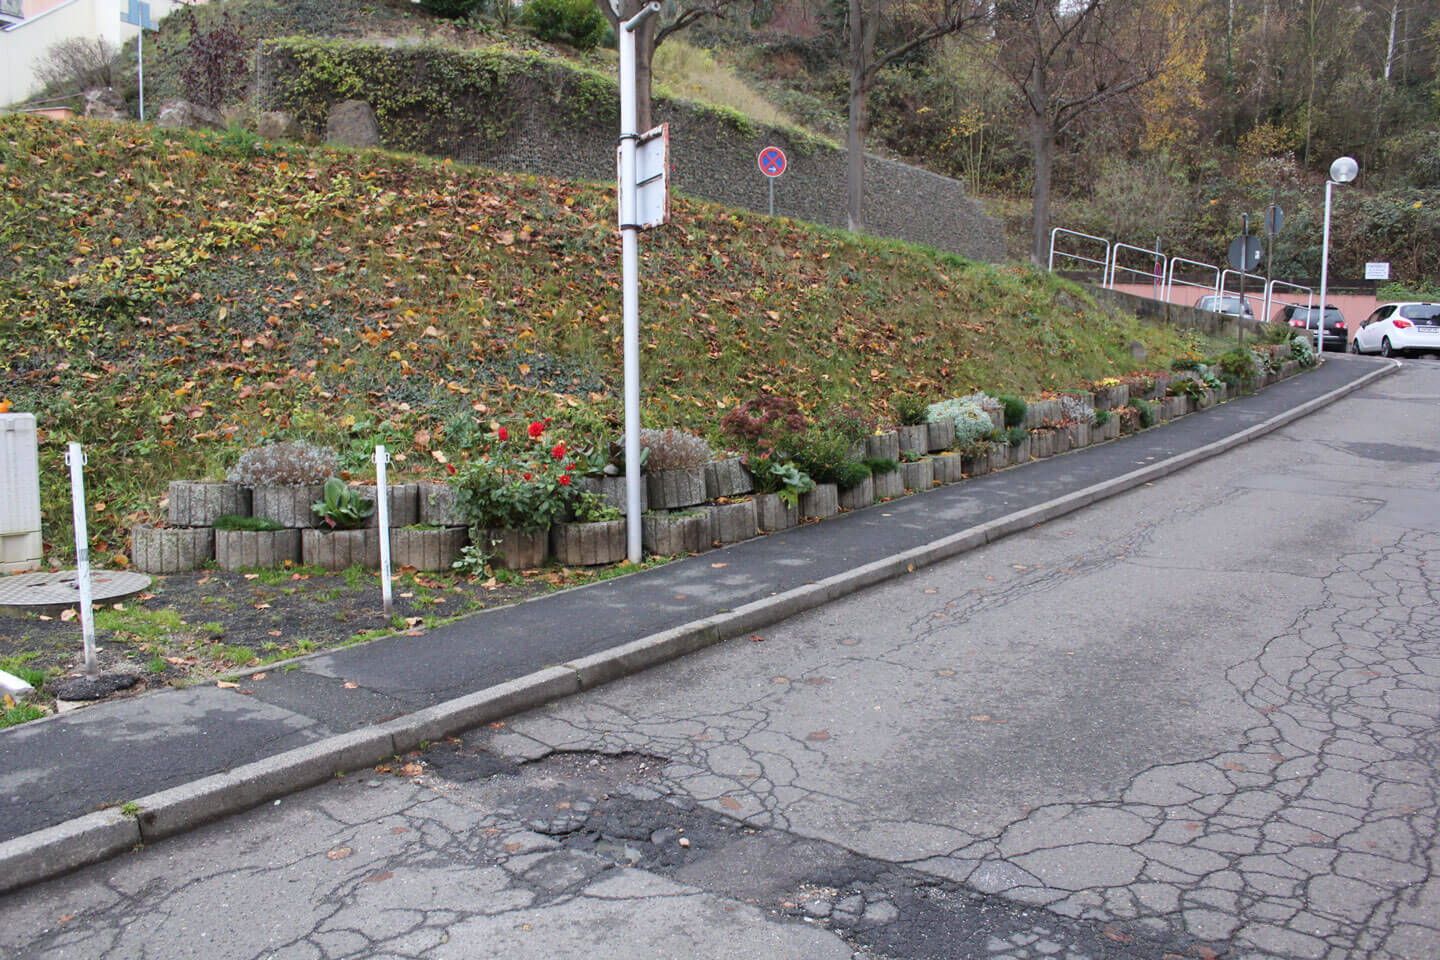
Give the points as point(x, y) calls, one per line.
point(20, 544)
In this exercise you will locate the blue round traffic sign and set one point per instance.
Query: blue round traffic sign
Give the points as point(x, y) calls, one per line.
point(772, 161)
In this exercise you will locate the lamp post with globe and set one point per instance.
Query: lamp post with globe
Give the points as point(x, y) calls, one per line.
point(1342, 170)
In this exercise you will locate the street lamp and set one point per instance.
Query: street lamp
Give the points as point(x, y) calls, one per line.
point(1342, 170)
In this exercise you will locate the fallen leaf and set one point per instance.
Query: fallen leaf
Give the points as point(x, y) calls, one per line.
point(1232, 765)
point(377, 877)
point(411, 770)
point(818, 735)
point(273, 633)
point(68, 615)
point(351, 685)
point(251, 576)
point(339, 853)
point(756, 638)
point(730, 803)
point(257, 676)
point(717, 566)
point(226, 685)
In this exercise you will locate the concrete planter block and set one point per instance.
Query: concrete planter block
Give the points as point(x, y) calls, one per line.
point(1173, 407)
point(674, 489)
point(997, 418)
point(1080, 434)
point(676, 534)
point(727, 478)
point(999, 455)
point(733, 522)
point(588, 544)
point(341, 549)
point(426, 549)
point(1108, 398)
point(1042, 444)
point(1040, 411)
point(948, 468)
point(1289, 368)
point(170, 549)
point(822, 502)
point(612, 489)
point(1020, 452)
point(235, 549)
point(404, 504)
point(288, 506)
point(942, 434)
point(977, 465)
point(1162, 384)
point(918, 475)
point(1060, 440)
point(195, 504)
point(435, 503)
point(773, 514)
point(859, 496)
point(883, 445)
point(914, 439)
point(889, 485)
point(519, 549)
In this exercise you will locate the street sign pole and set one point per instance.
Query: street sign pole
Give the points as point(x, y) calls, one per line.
point(138, 16)
point(772, 163)
point(1240, 313)
point(772, 195)
point(630, 269)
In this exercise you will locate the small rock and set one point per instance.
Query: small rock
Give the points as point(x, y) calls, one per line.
point(819, 909)
point(104, 103)
point(352, 123)
point(184, 115)
point(278, 125)
point(881, 913)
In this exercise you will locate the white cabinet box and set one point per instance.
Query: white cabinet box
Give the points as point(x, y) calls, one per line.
point(20, 544)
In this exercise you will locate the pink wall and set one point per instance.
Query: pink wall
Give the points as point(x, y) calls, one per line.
point(31, 7)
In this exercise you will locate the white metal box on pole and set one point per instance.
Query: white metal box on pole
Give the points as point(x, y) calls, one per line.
point(20, 544)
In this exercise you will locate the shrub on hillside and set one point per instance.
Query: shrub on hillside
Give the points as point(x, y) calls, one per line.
point(451, 9)
point(576, 22)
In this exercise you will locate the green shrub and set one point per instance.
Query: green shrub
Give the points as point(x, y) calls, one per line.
point(453, 9)
point(1102, 417)
point(232, 521)
point(972, 423)
point(1146, 410)
point(786, 479)
point(1185, 363)
point(910, 409)
point(1240, 364)
point(1016, 435)
point(880, 465)
point(343, 508)
point(1303, 350)
point(1014, 409)
point(576, 22)
point(590, 507)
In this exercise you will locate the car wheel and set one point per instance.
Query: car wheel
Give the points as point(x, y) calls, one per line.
point(1385, 349)
point(1354, 346)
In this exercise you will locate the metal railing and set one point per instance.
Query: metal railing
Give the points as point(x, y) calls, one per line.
point(1157, 264)
point(1171, 280)
point(1270, 295)
point(1103, 264)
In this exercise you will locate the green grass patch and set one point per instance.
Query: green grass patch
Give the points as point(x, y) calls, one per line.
point(19, 713)
point(255, 524)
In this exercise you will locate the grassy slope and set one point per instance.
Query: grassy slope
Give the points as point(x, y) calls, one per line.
point(170, 299)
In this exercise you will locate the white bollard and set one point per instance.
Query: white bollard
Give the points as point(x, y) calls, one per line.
point(75, 458)
point(382, 510)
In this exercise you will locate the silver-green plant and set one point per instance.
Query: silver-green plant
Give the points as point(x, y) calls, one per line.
point(972, 424)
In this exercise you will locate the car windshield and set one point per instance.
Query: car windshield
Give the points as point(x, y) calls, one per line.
point(1223, 304)
point(1421, 311)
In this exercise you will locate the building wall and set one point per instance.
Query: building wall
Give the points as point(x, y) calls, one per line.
point(49, 22)
point(537, 116)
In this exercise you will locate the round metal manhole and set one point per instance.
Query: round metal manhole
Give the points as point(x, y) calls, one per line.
point(49, 592)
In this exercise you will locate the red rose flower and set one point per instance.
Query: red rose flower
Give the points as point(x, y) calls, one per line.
point(527, 476)
point(564, 480)
point(536, 429)
point(502, 433)
point(559, 451)
point(570, 465)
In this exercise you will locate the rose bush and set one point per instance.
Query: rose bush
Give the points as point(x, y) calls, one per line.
point(520, 484)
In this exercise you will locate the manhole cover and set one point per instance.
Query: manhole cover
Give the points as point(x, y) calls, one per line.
point(52, 591)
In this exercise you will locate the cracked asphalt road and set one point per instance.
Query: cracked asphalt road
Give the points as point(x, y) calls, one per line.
point(1198, 720)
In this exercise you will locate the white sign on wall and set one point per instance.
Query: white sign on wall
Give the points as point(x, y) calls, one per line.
point(1377, 271)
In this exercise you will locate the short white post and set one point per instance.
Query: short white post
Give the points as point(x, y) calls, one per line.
point(382, 519)
point(75, 458)
point(140, 53)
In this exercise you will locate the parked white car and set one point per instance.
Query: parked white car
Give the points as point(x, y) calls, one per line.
point(1399, 329)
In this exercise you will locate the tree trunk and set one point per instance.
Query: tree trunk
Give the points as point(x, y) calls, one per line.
point(1390, 41)
point(1042, 141)
point(855, 129)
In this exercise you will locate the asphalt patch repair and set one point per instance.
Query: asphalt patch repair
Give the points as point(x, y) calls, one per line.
point(613, 811)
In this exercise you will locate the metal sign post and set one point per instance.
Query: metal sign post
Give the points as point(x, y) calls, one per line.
point(138, 15)
point(75, 459)
point(1274, 220)
point(630, 269)
point(1244, 254)
point(772, 162)
point(382, 519)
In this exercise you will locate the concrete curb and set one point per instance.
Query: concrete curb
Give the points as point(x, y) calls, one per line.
point(85, 840)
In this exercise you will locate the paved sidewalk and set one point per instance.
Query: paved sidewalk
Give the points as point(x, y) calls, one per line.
point(186, 756)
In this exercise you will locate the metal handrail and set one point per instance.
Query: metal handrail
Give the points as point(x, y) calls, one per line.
point(1170, 280)
point(1104, 264)
point(1115, 263)
point(1270, 295)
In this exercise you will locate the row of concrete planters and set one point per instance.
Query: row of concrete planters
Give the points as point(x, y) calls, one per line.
point(519, 549)
point(588, 544)
point(676, 534)
point(859, 496)
point(676, 489)
point(889, 485)
point(822, 502)
point(917, 475)
point(612, 491)
point(772, 513)
point(170, 549)
point(884, 446)
point(913, 439)
point(340, 549)
point(727, 478)
point(941, 434)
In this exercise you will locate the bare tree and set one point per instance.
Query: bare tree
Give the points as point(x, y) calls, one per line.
point(673, 18)
point(79, 63)
point(1065, 58)
point(915, 24)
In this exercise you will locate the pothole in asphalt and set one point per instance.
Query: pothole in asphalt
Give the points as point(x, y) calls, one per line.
point(608, 807)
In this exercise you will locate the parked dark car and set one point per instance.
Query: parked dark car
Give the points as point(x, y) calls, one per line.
point(1335, 338)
